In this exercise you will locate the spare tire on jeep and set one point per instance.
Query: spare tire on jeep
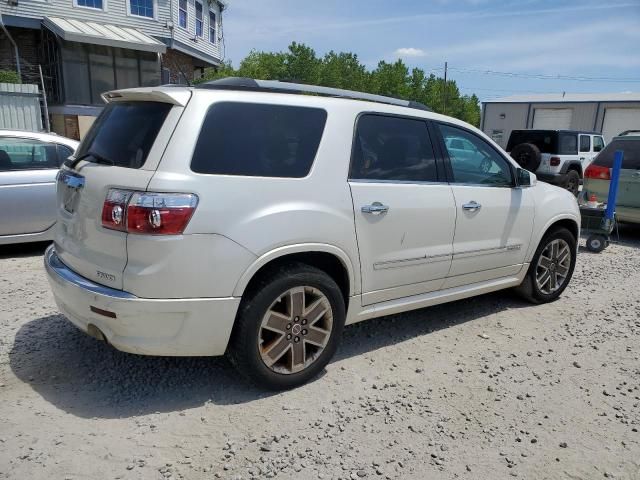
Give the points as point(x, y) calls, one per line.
point(527, 155)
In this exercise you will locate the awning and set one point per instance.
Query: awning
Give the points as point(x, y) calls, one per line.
point(102, 34)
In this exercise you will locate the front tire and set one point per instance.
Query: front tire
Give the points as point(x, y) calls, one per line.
point(551, 268)
point(288, 327)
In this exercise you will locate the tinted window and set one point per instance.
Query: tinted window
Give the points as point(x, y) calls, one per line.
point(258, 140)
point(598, 144)
point(392, 148)
point(585, 143)
point(26, 154)
point(124, 132)
point(546, 141)
point(631, 149)
point(477, 163)
point(567, 144)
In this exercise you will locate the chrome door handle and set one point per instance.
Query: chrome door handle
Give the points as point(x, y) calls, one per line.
point(472, 206)
point(376, 208)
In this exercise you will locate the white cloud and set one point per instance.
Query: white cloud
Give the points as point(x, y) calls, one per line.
point(409, 52)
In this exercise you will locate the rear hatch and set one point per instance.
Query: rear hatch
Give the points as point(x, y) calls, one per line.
point(121, 150)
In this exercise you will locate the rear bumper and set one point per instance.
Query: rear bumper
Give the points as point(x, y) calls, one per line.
point(172, 327)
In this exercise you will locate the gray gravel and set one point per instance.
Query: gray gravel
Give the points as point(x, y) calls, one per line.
point(486, 388)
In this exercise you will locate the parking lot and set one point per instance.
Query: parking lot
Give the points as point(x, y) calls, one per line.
point(489, 387)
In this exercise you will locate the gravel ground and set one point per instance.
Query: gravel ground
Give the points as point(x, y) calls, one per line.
point(486, 388)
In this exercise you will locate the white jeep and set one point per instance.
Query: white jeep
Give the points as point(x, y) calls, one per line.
point(559, 157)
point(244, 216)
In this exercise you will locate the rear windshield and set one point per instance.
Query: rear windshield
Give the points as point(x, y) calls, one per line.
point(547, 141)
point(261, 140)
point(124, 133)
point(630, 148)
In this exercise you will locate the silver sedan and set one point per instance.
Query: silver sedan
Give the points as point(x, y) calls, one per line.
point(29, 163)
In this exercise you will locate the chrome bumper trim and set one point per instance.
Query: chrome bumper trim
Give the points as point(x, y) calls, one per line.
point(64, 275)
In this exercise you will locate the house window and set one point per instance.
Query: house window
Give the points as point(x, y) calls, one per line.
point(141, 8)
point(198, 19)
point(90, 3)
point(182, 13)
point(212, 27)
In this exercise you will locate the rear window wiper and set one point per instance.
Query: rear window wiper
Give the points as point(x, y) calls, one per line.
point(99, 159)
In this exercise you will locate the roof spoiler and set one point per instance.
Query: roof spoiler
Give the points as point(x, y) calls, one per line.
point(176, 96)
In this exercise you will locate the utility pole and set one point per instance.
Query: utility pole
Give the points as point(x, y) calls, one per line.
point(444, 95)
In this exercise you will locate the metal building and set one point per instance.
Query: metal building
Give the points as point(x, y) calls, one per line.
point(608, 113)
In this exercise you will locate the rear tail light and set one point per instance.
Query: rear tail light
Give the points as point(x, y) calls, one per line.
point(554, 161)
point(597, 172)
point(147, 212)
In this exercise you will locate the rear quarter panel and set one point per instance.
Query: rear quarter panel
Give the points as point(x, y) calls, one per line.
point(265, 215)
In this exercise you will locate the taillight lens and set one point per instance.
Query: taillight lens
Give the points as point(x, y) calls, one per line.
point(147, 212)
point(554, 161)
point(597, 172)
point(114, 209)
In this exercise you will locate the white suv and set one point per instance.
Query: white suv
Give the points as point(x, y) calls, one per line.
point(242, 216)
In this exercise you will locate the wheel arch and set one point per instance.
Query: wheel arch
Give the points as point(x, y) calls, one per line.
point(577, 166)
point(562, 221)
point(331, 259)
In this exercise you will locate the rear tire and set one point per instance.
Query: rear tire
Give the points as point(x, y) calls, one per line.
point(551, 269)
point(572, 182)
point(274, 344)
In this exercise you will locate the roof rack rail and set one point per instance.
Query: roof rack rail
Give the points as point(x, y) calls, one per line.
point(244, 83)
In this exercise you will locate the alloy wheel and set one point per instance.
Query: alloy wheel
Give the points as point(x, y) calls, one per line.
point(553, 266)
point(295, 330)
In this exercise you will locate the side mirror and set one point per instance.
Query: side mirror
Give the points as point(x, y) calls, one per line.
point(524, 178)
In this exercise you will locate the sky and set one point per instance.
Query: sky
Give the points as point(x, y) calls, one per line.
point(593, 46)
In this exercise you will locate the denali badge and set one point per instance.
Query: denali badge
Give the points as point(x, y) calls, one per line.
point(106, 276)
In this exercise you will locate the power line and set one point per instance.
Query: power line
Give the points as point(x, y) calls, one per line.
point(540, 76)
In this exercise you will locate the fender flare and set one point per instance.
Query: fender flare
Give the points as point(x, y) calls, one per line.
point(261, 261)
point(533, 246)
point(567, 166)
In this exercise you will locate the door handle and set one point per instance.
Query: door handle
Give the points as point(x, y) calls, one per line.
point(376, 208)
point(472, 206)
point(581, 158)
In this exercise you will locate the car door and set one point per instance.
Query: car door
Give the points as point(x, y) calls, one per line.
point(404, 212)
point(28, 170)
point(585, 151)
point(494, 220)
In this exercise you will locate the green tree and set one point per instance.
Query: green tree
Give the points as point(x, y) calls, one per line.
point(344, 70)
point(9, 76)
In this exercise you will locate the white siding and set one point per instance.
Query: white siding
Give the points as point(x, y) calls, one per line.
point(115, 12)
point(186, 36)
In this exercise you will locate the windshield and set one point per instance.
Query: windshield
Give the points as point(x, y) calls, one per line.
point(124, 133)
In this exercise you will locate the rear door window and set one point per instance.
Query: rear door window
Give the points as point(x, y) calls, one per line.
point(630, 148)
point(585, 143)
point(546, 141)
point(259, 140)
point(26, 154)
point(124, 133)
point(392, 149)
point(567, 144)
